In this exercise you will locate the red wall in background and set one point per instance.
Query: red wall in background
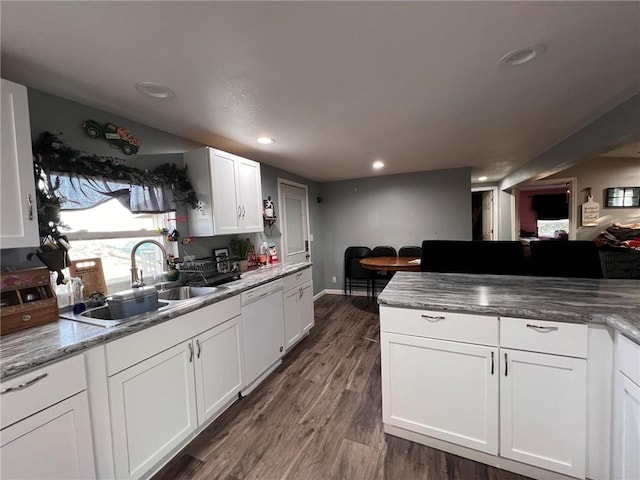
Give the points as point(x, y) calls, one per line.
point(528, 218)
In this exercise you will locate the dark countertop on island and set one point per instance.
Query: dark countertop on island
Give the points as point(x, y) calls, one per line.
point(607, 301)
point(27, 349)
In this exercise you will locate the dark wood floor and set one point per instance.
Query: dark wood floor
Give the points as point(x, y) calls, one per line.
point(319, 416)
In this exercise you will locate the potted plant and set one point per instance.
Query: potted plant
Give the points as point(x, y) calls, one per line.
point(240, 248)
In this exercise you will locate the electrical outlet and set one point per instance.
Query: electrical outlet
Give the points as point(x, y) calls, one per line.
point(333, 279)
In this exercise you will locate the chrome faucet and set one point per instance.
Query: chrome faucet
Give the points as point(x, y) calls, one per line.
point(136, 275)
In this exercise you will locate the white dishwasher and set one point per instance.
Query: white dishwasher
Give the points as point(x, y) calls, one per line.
point(263, 328)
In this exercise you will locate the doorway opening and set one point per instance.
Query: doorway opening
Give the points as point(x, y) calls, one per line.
point(545, 210)
point(484, 213)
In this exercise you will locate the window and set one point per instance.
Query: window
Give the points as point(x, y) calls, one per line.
point(548, 228)
point(110, 231)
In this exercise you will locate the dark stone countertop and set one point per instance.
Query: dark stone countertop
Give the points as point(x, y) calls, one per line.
point(28, 349)
point(608, 301)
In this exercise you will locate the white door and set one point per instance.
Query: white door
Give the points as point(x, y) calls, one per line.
point(250, 192)
point(153, 408)
point(227, 211)
point(53, 444)
point(291, 317)
point(487, 215)
point(626, 430)
point(305, 307)
point(543, 410)
point(218, 368)
point(295, 226)
point(18, 216)
point(446, 390)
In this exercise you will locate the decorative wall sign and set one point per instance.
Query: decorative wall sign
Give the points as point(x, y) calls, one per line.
point(590, 212)
point(117, 137)
point(623, 197)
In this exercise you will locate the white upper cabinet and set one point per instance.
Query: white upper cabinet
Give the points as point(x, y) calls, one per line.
point(230, 190)
point(18, 214)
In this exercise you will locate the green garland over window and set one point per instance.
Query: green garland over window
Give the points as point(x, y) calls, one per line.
point(52, 155)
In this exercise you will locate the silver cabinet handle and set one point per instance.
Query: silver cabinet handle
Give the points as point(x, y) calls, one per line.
point(198, 348)
point(190, 352)
point(432, 318)
point(243, 211)
point(300, 293)
point(492, 363)
point(30, 205)
point(23, 385)
point(539, 327)
point(506, 365)
point(239, 211)
point(298, 275)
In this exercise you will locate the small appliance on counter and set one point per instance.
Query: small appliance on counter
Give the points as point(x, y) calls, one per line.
point(27, 300)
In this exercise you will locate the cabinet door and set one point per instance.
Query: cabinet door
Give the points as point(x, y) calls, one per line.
point(18, 216)
point(227, 210)
point(443, 389)
point(218, 368)
point(153, 408)
point(292, 330)
point(305, 308)
point(543, 410)
point(55, 443)
point(250, 193)
point(626, 429)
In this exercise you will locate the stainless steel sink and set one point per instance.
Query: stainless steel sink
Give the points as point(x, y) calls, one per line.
point(104, 317)
point(184, 293)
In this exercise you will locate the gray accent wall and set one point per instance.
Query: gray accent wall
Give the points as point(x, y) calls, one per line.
point(395, 210)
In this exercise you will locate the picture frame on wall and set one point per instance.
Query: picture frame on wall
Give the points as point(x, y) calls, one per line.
point(622, 197)
point(222, 260)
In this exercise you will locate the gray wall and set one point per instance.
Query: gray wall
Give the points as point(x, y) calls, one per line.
point(394, 210)
point(598, 174)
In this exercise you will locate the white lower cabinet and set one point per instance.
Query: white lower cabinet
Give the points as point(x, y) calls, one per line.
point(46, 429)
point(298, 313)
point(53, 444)
point(157, 402)
point(543, 410)
point(626, 411)
point(153, 408)
point(489, 396)
point(443, 389)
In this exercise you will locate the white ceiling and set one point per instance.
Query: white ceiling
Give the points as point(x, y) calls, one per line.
point(338, 84)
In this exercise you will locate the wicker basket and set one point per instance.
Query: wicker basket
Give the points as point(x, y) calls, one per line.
point(620, 263)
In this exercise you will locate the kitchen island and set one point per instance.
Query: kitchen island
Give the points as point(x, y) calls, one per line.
point(514, 371)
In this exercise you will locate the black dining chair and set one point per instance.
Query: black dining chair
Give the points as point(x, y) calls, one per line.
point(497, 257)
point(445, 256)
point(354, 273)
point(411, 251)
point(382, 276)
point(566, 258)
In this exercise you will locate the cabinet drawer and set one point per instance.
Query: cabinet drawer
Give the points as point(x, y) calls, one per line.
point(41, 388)
point(296, 279)
point(544, 336)
point(628, 354)
point(459, 327)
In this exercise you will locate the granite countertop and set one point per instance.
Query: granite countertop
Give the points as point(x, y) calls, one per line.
point(608, 301)
point(27, 349)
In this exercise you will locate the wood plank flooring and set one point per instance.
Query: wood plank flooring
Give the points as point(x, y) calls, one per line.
point(319, 416)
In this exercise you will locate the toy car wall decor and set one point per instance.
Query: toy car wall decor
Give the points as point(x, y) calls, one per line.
point(117, 137)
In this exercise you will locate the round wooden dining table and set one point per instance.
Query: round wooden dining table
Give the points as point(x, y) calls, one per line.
point(391, 264)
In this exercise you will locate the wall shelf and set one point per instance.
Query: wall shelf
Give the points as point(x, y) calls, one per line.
point(270, 220)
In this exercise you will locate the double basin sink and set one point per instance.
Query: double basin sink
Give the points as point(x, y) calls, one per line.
point(105, 316)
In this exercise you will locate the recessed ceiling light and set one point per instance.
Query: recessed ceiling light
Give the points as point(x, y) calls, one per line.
point(265, 140)
point(154, 90)
point(522, 55)
point(378, 164)
point(482, 179)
